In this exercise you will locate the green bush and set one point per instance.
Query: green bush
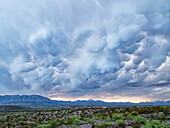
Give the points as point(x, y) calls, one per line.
point(97, 118)
point(70, 119)
point(134, 113)
point(72, 126)
point(54, 123)
point(88, 120)
point(156, 111)
point(130, 117)
point(74, 120)
point(136, 126)
point(44, 126)
point(2, 118)
point(108, 118)
point(126, 113)
point(139, 120)
point(108, 124)
point(166, 109)
point(117, 116)
point(120, 123)
point(161, 115)
point(167, 117)
point(77, 121)
point(155, 124)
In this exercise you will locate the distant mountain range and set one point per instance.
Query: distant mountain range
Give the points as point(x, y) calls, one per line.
point(37, 100)
point(25, 100)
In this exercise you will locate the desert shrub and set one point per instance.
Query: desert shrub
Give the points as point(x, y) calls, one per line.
point(70, 119)
point(104, 114)
point(7, 118)
point(120, 123)
point(167, 117)
point(97, 118)
point(161, 115)
point(108, 118)
point(2, 118)
point(44, 126)
point(74, 120)
point(156, 111)
point(26, 126)
point(38, 121)
point(72, 126)
point(108, 124)
point(88, 120)
point(130, 117)
point(54, 123)
point(155, 124)
point(62, 121)
point(77, 121)
point(101, 126)
point(134, 113)
point(126, 113)
point(164, 108)
point(139, 120)
point(117, 116)
point(136, 126)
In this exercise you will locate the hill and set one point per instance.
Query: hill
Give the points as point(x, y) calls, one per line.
point(25, 100)
point(37, 100)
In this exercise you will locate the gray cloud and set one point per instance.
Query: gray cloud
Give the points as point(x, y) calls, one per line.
point(89, 47)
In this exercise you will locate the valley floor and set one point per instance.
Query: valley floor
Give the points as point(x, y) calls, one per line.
point(89, 117)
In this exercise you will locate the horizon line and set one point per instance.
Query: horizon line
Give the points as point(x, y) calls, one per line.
point(79, 99)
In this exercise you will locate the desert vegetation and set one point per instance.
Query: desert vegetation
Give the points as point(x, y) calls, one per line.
point(89, 117)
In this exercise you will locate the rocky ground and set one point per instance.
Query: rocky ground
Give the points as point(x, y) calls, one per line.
point(94, 117)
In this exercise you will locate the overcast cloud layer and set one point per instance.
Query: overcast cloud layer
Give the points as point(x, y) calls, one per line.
point(76, 48)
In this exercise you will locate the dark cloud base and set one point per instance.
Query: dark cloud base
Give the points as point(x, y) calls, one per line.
point(91, 48)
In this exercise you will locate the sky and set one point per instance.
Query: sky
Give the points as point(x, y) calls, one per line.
point(114, 50)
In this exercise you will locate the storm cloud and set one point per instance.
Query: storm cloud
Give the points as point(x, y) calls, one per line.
point(73, 48)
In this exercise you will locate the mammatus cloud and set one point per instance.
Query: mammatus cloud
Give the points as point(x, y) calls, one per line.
point(96, 48)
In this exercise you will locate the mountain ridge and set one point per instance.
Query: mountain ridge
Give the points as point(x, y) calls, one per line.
point(41, 100)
